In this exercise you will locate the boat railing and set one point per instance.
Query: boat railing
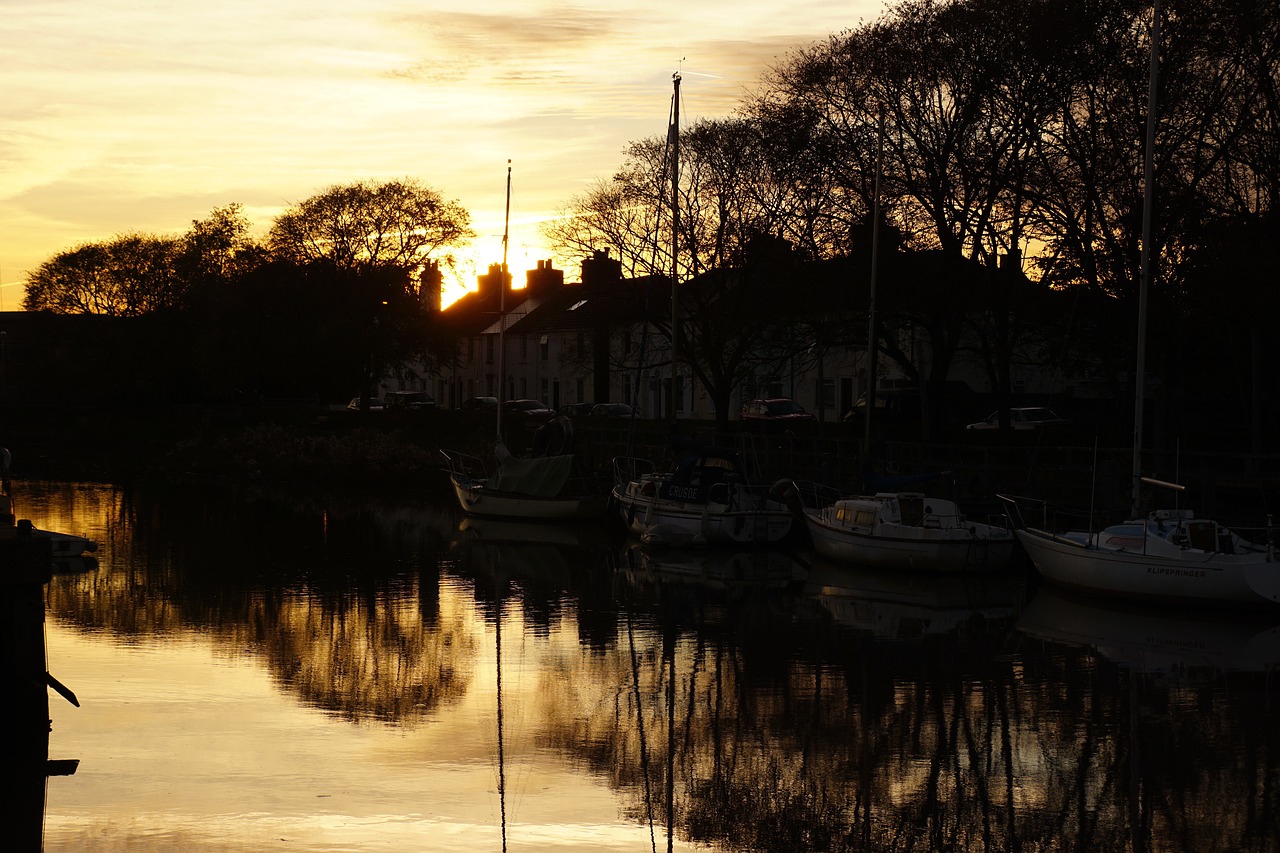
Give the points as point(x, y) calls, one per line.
point(998, 522)
point(813, 495)
point(629, 468)
point(464, 465)
point(1023, 512)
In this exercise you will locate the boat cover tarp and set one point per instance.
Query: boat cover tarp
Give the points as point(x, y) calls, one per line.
point(540, 477)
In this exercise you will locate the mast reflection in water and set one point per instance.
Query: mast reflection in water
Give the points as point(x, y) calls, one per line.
point(260, 670)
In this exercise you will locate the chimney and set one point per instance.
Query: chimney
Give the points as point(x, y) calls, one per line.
point(430, 286)
point(490, 283)
point(600, 272)
point(544, 279)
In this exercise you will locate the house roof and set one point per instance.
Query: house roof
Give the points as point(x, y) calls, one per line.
point(583, 308)
point(473, 313)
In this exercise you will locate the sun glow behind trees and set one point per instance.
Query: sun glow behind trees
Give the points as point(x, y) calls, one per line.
point(131, 117)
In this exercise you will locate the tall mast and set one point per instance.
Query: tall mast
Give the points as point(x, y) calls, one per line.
point(674, 138)
point(871, 304)
point(502, 305)
point(1140, 369)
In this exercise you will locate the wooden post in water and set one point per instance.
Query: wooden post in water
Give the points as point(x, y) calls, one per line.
point(26, 565)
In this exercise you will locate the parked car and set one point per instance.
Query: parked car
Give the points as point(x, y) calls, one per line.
point(1023, 418)
point(775, 409)
point(375, 405)
point(413, 401)
point(577, 409)
point(612, 410)
point(528, 408)
point(479, 403)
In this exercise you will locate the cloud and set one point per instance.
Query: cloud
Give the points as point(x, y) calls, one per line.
point(123, 115)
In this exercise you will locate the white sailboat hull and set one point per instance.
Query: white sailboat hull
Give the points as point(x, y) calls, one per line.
point(476, 499)
point(670, 521)
point(905, 547)
point(1186, 575)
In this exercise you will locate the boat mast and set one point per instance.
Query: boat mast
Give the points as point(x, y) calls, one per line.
point(871, 305)
point(673, 136)
point(502, 304)
point(1139, 376)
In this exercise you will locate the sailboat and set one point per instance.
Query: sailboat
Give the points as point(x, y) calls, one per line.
point(1167, 555)
point(548, 486)
point(903, 528)
point(708, 498)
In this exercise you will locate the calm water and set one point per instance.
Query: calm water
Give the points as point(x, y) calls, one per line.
point(266, 672)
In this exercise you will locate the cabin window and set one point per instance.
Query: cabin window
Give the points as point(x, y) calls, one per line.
point(864, 518)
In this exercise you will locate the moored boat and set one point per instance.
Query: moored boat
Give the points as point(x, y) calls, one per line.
point(540, 488)
point(1162, 555)
point(907, 530)
point(706, 500)
point(1170, 556)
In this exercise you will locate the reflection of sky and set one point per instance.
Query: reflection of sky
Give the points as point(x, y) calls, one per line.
point(184, 745)
point(125, 116)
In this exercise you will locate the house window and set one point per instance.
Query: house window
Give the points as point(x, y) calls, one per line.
point(827, 393)
point(545, 387)
point(679, 393)
point(544, 349)
point(488, 349)
point(582, 345)
point(524, 347)
point(524, 388)
point(580, 390)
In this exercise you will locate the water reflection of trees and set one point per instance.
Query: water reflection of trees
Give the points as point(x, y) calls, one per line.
point(743, 710)
point(341, 596)
point(788, 734)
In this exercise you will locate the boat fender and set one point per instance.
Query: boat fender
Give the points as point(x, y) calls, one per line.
point(786, 493)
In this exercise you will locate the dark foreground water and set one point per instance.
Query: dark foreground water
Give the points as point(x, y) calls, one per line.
point(260, 672)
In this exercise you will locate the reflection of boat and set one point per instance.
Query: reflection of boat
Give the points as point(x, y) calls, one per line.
point(74, 565)
point(1154, 638)
point(592, 537)
point(530, 550)
point(706, 500)
point(714, 567)
point(540, 488)
point(907, 530)
point(900, 604)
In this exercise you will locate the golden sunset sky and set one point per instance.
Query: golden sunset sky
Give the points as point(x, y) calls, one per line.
point(122, 116)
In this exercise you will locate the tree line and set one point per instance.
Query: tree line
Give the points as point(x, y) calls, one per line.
point(1006, 139)
point(337, 295)
point(1002, 139)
